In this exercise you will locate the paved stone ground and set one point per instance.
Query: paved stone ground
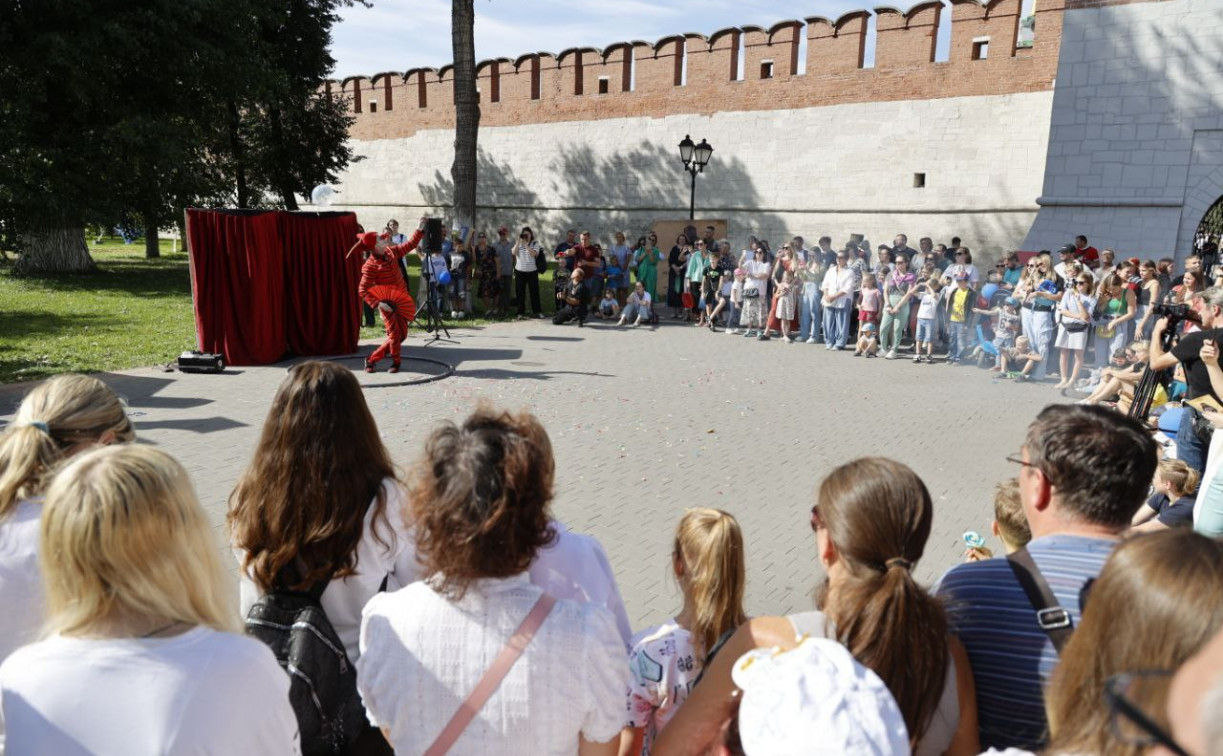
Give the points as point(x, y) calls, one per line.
point(645, 423)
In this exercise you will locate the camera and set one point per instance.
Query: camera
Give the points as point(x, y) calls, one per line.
point(1176, 313)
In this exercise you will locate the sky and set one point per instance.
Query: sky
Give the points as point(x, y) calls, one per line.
point(396, 35)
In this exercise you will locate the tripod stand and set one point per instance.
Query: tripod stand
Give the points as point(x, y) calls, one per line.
point(434, 323)
point(1144, 392)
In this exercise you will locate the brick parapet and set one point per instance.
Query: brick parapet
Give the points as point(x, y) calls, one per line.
point(694, 74)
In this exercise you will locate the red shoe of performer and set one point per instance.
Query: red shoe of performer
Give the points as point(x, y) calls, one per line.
point(369, 367)
point(394, 368)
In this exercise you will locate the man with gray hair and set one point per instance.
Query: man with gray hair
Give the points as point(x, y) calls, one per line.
point(1208, 309)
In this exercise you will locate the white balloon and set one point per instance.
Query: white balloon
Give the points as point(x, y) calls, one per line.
point(321, 195)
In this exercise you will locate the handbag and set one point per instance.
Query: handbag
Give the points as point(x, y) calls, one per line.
point(492, 678)
point(1076, 326)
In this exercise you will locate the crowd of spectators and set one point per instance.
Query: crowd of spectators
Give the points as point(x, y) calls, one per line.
point(458, 615)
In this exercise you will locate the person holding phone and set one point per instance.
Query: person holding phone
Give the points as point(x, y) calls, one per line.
point(526, 272)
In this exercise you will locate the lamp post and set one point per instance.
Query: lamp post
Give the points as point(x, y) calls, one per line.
point(695, 157)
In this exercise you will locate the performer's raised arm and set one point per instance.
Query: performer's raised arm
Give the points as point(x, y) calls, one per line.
point(399, 250)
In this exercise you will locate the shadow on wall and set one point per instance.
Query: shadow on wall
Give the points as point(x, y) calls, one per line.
point(628, 189)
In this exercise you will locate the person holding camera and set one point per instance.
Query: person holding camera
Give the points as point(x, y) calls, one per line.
point(573, 301)
point(526, 253)
point(1207, 308)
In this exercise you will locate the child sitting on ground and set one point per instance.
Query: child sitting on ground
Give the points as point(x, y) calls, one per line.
point(609, 308)
point(868, 341)
point(1176, 486)
point(1006, 326)
point(1010, 524)
point(1020, 354)
point(665, 661)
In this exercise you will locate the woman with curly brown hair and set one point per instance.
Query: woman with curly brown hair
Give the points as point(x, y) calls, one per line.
point(320, 501)
point(479, 499)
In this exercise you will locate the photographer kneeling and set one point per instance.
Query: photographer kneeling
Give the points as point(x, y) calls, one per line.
point(573, 300)
point(1206, 308)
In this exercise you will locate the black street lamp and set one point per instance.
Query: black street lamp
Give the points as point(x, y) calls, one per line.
point(695, 157)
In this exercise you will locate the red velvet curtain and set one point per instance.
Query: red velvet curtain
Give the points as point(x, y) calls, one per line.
point(269, 282)
point(322, 309)
point(237, 266)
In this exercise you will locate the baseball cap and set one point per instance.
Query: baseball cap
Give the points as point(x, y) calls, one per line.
point(1067, 249)
point(368, 240)
point(502, 230)
point(961, 276)
point(869, 328)
point(815, 699)
point(1011, 302)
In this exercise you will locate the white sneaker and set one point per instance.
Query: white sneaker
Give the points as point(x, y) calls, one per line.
point(789, 340)
point(916, 359)
point(891, 355)
point(620, 322)
point(730, 332)
point(636, 322)
point(810, 341)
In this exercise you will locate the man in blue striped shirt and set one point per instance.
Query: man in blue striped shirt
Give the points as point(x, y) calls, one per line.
point(1085, 472)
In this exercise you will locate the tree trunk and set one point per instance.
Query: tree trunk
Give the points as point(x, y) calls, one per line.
point(284, 186)
point(466, 112)
point(152, 245)
point(239, 154)
point(54, 250)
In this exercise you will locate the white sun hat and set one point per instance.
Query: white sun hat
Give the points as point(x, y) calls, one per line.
point(815, 699)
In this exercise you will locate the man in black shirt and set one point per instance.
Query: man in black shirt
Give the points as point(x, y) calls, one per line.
point(1208, 306)
point(572, 301)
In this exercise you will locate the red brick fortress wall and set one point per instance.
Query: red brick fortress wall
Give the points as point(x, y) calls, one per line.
point(693, 74)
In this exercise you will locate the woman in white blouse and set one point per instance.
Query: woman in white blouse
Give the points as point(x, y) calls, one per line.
point(143, 657)
point(479, 499)
point(58, 419)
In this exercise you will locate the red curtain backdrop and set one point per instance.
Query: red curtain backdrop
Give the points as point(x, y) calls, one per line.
point(269, 283)
point(323, 312)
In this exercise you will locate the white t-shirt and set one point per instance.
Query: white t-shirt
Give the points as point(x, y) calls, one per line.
point(662, 669)
point(755, 268)
point(576, 567)
point(928, 308)
point(343, 599)
point(21, 593)
point(839, 280)
point(422, 654)
point(200, 693)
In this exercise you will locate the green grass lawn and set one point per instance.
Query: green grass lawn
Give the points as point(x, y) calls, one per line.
point(133, 312)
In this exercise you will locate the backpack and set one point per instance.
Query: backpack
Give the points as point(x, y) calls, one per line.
point(322, 681)
point(541, 262)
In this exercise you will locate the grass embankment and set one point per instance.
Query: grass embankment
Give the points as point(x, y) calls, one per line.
point(133, 312)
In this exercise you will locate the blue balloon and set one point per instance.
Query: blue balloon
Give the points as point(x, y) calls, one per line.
point(988, 291)
point(444, 277)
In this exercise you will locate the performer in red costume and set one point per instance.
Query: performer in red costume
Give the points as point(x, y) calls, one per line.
point(381, 269)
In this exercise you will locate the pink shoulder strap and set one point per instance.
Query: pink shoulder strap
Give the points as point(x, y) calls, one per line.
point(491, 680)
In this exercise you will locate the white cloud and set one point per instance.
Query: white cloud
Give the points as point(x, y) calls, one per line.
point(396, 35)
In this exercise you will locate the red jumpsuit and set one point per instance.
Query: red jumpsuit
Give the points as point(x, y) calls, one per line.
point(385, 271)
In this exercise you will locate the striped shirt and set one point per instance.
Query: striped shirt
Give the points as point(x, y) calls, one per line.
point(1012, 657)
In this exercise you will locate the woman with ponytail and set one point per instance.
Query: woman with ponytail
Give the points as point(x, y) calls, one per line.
point(871, 522)
point(59, 418)
point(666, 660)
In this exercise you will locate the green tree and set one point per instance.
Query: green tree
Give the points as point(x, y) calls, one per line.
point(114, 110)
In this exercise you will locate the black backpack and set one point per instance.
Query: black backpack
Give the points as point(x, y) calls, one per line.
point(322, 681)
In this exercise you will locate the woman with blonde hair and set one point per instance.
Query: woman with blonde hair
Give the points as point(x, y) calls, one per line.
point(57, 419)
point(871, 522)
point(667, 659)
point(142, 656)
point(1171, 506)
point(480, 498)
point(320, 502)
point(1169, 588)
point(1040, 298)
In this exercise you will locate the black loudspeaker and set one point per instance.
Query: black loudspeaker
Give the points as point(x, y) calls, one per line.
point(435, 234)
point(200, 362)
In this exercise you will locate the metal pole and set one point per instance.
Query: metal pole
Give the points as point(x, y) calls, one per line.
point(692, 197)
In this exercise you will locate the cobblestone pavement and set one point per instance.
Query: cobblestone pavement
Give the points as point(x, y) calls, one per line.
point(645, 423)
